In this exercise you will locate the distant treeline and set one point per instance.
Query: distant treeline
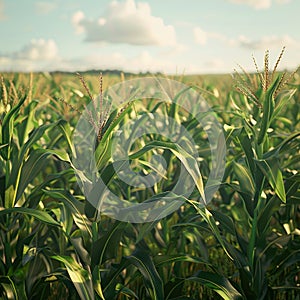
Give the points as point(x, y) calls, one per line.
point(107, 72)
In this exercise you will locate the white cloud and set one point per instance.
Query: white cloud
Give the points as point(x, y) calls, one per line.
point(36, 55)
point(77, 18)
point(38, 50)
point(141, 62)
point(126, 22)
point(44, 8)
point(259, 4)
point(267, 42)
point(200, 36)
point(146, 62)
point(41, 54)
point(2, 15)
point(209, 65)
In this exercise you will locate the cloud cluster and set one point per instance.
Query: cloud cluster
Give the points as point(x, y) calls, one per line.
point(36, 55)
point(259, 4)
point(266, 42)
point(42, 54)
point(126, 22)
point(38, 50)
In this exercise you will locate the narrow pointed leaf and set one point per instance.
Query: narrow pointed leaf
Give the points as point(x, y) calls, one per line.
point(218, 283)
point(145, 265)
point(244, 178)
point(79, 276)
point(187, 160)
point(271, 170)
point(41, 215)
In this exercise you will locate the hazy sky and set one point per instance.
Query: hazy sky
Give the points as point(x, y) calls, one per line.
point(172, 36)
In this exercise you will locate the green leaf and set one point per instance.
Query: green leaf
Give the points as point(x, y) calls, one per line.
point(66, 132)
point(80, 277)
point(265, 214)
point(247, 147)
point(102, 152)
point(189, 162)
point(145, 229)
point(167, 259)
point(38, 214)
point(144, 263)
point(271, 170)
point(123, 290)
point(34, 136)
point(244, 178)
point(283, 99)
point(285, 144)
point(8, 127)
point(107, 246)
point(27, 124)
point(36, 161)
point(268, 108)
point(74, 206)
point(226, 223)
point(34, 164)
point(288, 259)
point(218, 283)
point(3, 146)
point(9, 288)
point(209, 219)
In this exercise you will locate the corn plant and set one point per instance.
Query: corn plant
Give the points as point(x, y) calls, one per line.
point(261, 186)
point(29, 154)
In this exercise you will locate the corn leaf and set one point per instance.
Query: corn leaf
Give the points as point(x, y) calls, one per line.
point(80, 277)
point(187, 160)
point(41, 215)
point(145, 265)
point(218, 283)
point(271, 170)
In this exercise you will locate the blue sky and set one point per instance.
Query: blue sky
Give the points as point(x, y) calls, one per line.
point(171, 36)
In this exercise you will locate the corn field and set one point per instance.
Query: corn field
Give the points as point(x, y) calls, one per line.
point(244, 244)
